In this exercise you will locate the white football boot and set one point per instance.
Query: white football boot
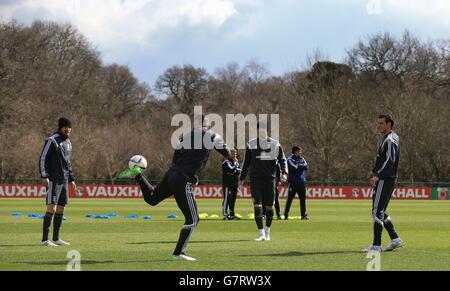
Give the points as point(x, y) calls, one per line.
point(374, 249)
point(395, 244)
point(182, 257)
point(267, 233)
point(48, 243)
point(262, 235)
point(60, 242)
point(261, 238)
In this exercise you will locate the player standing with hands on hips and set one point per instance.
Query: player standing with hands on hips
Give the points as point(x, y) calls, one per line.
point(261, 156)
point(383, 178)
point(56, 173)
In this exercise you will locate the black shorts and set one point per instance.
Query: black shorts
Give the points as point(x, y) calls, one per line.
point(263, 191)
point(57, 193)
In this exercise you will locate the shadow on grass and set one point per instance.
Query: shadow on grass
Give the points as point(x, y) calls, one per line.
point(84, 262)
point(191, 242)
point(301, 254)
point(20, 245)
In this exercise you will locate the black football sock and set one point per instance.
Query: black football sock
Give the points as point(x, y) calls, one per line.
point(46, 225)
point(258, 217)
point(269, 216)
point(57, 221)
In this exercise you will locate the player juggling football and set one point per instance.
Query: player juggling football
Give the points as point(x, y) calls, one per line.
point(188, 162)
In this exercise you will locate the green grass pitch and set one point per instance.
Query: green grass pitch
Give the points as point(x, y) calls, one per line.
point(331, 240)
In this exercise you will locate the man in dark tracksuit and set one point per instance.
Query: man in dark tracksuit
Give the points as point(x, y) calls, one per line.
point(383, 178)
point(230, 181)
point(261, 156)
point(189, 159)
point(56, 173)
point(297, 166)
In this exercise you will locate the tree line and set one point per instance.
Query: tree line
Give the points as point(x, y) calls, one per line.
point(48, 70)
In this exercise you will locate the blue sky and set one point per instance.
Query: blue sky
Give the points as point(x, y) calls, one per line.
point(149, 36)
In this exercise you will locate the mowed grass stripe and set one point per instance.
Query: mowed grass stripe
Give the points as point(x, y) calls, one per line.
point(331, 240)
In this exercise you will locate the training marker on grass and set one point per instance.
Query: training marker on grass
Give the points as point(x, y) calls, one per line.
point(131, 216)
point(34, 215)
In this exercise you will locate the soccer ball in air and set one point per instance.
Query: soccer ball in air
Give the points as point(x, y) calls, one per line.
point(138, 160)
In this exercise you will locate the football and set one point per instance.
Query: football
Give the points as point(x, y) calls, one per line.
point(138, 160)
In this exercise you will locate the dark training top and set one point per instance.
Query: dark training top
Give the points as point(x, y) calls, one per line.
point(193, 151)
point(297, 167)
point(386, 165)
point(262, 156)
point(54, 162)
point(230, 172)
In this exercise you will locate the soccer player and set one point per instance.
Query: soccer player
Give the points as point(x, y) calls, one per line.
point(261, 156)
point(383, 178)
point(297, 166)
point(230, 180)
point(56, 173)
point(188, 161)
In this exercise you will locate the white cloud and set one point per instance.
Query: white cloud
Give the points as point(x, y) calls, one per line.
point(435, 11)
point(114, 23)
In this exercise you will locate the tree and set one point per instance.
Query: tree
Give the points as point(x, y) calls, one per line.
point(186, 85)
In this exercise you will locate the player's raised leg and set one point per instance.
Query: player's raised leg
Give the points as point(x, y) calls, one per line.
point(152, 195)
